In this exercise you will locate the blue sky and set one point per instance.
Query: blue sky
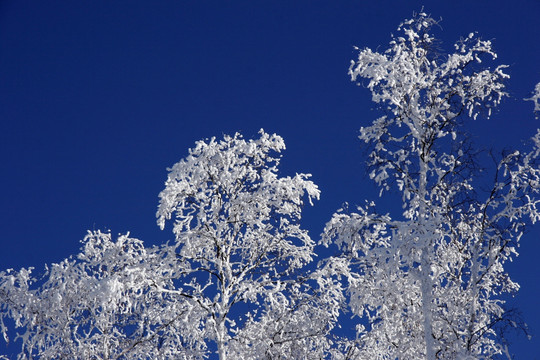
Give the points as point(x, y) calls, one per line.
point(98, 98)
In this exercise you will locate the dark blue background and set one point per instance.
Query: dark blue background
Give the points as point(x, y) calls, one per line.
point(98, 98)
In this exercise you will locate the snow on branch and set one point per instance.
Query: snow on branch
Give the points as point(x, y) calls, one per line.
point(536, 99)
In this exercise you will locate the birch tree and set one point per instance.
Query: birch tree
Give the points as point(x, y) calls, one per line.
point(100, 304)
point(429, 283)
point(239, 248)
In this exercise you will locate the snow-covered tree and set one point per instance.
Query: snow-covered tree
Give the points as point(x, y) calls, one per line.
point(239, 250)
point(428, 283)
point(99, 305)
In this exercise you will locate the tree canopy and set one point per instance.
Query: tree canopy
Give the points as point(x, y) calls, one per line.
point(243, 279)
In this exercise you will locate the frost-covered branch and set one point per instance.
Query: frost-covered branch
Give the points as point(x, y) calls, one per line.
point(536, 99)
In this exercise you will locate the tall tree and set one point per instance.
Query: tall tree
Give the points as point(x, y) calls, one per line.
point(429, 284)
point(239, 249)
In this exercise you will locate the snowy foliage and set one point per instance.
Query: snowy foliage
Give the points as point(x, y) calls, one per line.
point(99, 306)
point(233, 280)
point(429, 284)
point(239, 279)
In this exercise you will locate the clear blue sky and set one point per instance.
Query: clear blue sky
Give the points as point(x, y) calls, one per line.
point(98, 98)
